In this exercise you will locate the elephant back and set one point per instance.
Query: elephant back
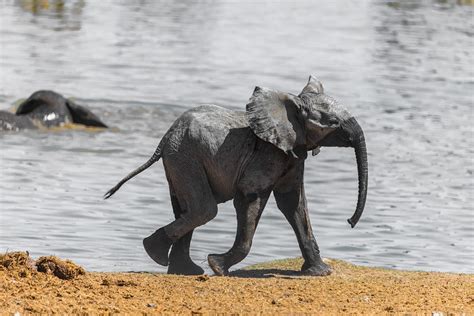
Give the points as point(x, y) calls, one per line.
point(12, 122)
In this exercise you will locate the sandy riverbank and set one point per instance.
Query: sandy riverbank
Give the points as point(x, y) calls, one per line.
point(266, 289)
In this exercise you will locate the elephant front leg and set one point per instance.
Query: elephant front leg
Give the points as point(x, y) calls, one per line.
point(293, 205)
point(249, 209)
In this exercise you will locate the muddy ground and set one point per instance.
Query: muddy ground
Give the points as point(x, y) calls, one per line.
point(262, 289)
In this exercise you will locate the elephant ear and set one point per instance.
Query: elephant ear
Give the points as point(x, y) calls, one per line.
point(82, 115)
point(313, 86)
point(28, 106)
point(275, 118)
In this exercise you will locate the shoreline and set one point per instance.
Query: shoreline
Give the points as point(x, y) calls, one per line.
point(267, 288)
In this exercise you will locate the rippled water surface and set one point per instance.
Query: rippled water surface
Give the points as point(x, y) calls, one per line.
point(404, 69)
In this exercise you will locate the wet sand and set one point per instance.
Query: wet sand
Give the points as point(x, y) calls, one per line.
point(262, 289)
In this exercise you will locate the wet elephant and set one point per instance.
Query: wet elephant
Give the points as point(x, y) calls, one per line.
point(45, 109)
point(212, 155)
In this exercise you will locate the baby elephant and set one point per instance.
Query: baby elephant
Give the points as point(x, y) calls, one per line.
point(44, 109)
point(211, 155)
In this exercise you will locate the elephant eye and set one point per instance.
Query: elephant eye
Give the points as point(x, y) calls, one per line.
point(333, 121)
point(328, 119)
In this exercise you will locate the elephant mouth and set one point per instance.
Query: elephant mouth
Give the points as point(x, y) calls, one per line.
point(341, 137)
point(316, 151)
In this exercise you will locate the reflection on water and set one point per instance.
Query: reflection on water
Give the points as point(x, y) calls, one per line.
point(404, 68)
point(56, 15)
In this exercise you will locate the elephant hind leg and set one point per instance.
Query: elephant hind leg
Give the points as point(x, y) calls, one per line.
point(249, 209)
point(194, 195)
point(157, 246)
point(180, 259)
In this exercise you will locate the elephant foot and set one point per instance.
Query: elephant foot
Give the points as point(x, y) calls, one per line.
point(157, 246)
point(316, 269)
point(183, 266)
point(217, 264)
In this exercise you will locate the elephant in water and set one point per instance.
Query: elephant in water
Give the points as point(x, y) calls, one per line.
point(211, 155)
point(44, 109)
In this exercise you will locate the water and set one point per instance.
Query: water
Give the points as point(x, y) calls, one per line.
point(403, 68)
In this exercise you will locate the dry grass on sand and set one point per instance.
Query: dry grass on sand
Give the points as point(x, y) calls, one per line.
point(269, 288)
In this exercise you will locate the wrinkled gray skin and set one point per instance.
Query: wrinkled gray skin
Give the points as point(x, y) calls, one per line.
point(44, 109)
point(212, 155)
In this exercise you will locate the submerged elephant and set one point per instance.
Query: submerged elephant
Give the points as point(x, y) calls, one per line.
point(212, 155)
point(44, 109)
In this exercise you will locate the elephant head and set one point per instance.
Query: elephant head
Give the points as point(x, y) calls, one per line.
point(49, 109)
point(308, 121)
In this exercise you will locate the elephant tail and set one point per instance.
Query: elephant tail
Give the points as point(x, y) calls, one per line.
point(156, 156)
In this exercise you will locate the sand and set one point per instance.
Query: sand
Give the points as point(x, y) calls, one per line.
point(262, 289)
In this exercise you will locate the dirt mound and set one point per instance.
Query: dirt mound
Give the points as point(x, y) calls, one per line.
point(15, 260)
point(18, 263)
point(63, 269)
point(21, 264)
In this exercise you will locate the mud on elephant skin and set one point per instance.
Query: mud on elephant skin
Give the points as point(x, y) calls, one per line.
point(212, 155)
point(44, 109)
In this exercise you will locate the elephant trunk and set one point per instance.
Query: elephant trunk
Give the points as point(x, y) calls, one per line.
point(360, 148)
point(350, 134)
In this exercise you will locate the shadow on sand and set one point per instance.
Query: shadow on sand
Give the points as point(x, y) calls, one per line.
point(268, 273)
